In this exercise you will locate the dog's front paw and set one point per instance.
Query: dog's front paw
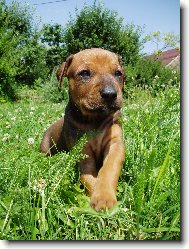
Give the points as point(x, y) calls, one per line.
point(102, 200)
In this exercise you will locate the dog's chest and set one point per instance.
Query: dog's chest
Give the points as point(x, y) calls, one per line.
point(98, 144)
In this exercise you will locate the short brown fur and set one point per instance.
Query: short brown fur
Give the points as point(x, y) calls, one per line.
point(96, 81)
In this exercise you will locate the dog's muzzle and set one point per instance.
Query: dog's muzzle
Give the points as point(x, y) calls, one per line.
point(108, 93)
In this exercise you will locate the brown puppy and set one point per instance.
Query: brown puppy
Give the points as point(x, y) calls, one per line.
point(96, 81)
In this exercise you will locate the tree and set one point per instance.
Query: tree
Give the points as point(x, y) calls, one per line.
point(9, 54)
point(96, 26)
point(52, 38)
point(163, 41)
point(32, 64)
point(22, 57)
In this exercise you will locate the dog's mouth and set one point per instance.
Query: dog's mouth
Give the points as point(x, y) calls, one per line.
point(104, 110)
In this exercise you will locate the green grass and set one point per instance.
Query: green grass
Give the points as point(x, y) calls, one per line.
point(41, 197)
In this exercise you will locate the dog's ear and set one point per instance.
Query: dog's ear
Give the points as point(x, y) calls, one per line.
point(121, 64)
point(62, 71)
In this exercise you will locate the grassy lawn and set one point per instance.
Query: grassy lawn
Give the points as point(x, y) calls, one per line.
point(41, 198)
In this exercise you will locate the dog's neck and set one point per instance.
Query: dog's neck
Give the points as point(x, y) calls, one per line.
point(76, 124)
point(78, 116)
point(78, 120)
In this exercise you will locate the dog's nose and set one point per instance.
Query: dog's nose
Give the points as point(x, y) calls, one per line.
point(108, 93)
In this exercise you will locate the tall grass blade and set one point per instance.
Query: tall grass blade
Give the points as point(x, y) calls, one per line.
point(163, 168)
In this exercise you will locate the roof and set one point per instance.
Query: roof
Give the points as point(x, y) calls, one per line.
point(170, 58)
point(175, 63)
point(167, 56)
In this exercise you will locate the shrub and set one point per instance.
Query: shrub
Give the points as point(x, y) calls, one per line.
point(32, 62)
point(96, 26)
point(49, 89)
point(151, 75)
point(21, 56)
point(8, 56)
point(52, 38)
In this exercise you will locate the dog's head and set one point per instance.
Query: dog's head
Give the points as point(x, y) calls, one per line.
point(96, 81)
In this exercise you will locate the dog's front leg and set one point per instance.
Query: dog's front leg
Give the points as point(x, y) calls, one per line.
point(104, 194)
point(88, 172)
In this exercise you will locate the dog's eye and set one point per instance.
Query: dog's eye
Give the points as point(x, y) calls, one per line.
point(118, 73)
point(85, 73)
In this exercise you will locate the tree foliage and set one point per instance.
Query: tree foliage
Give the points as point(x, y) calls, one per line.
point(96, 26)
point(163, 41)
point(93, 26)
point(52, 38)
point(28, 55)
point(22, 57)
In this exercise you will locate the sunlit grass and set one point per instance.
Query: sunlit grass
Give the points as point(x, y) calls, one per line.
point(41, 197)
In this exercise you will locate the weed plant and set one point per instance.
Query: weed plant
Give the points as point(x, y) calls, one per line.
point(41, 197)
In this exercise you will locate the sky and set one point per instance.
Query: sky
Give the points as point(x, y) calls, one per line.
point(152, 15)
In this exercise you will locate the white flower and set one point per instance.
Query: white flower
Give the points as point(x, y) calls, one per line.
point(39, 185)
point(18, 110)
point(5, 137)
point(31, 113)
point(8, 125)
point(32, 108)
point(30, 141)
point(156, 77)
point(13, 118)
